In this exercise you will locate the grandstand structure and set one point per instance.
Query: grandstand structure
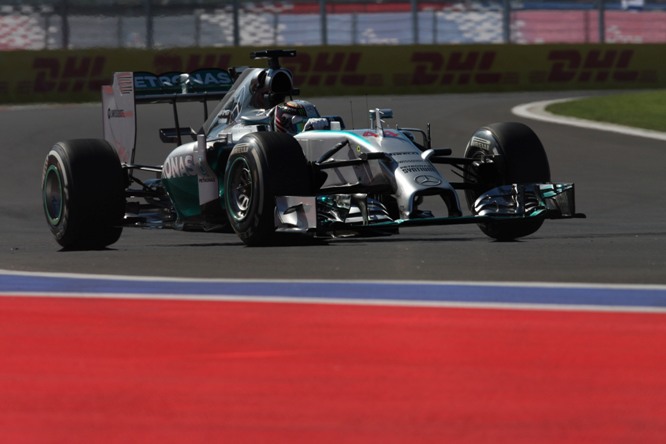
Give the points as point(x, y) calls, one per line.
point(76, 24)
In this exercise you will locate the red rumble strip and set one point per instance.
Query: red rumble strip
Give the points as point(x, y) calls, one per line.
point(102, 370)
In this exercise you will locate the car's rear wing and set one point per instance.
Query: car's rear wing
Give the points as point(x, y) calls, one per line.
point(128, 89)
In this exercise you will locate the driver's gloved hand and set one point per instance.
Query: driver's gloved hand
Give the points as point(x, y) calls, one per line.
point(316, 123)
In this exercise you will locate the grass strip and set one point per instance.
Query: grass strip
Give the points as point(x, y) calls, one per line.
point(642, 110)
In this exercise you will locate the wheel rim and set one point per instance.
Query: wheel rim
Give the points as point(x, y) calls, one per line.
point(53, 195)
point(241, 189)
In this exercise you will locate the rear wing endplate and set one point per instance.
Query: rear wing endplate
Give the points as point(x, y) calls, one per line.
point(128, 89)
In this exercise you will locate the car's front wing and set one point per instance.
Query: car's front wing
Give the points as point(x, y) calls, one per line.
point(328, 214)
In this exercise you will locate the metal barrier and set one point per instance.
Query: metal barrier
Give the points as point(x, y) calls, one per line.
point(77, 24)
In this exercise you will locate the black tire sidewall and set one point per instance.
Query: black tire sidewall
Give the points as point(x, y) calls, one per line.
point(254, 227)
point(278, 168)
point(55, 163)
point(523, 159)
point(93, 193)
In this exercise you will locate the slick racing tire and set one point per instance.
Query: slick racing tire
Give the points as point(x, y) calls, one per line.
point(83, 192)
point(260, 167)
point(519, 157)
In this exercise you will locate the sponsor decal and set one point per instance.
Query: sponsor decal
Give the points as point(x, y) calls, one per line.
point(209, 78)
point(147, 80)
point(482, 143)
point(457, 67)
point(417, 160)
point(426, 180)
point(404, 153)
point(68, 75)
point(118, 113)
point(212, 77)
point(387, 133)
point(241, 148)
point(424, 168)
point(595, 66)
point(327, 68)
point(179, 166)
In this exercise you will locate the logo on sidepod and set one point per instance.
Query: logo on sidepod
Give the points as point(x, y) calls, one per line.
point(179, 166)
point(427, 180)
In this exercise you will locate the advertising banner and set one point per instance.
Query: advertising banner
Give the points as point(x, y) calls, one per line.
point(77, 76)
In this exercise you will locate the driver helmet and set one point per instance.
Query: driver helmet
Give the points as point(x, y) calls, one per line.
point(291, 116)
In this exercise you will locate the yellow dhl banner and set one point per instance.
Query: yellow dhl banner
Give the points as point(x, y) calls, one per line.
point(75, 76)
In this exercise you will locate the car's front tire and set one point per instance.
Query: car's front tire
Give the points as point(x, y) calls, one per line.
point(260, 167)
point(518, 157)
point(83, 194)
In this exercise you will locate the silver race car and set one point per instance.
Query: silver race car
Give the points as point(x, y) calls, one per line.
point(264, 163)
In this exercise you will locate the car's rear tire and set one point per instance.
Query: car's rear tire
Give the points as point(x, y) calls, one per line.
point(83, 193)
point(260, 167)
point(519, 158)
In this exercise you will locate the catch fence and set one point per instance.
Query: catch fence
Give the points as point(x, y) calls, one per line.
point(78, 24)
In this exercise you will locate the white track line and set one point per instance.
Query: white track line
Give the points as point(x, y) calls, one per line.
point(537, 111)
point(534, 284)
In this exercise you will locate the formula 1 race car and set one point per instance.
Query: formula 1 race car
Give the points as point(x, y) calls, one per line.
point(263, 163)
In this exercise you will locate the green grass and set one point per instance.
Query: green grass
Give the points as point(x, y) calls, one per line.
point(643, 110)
